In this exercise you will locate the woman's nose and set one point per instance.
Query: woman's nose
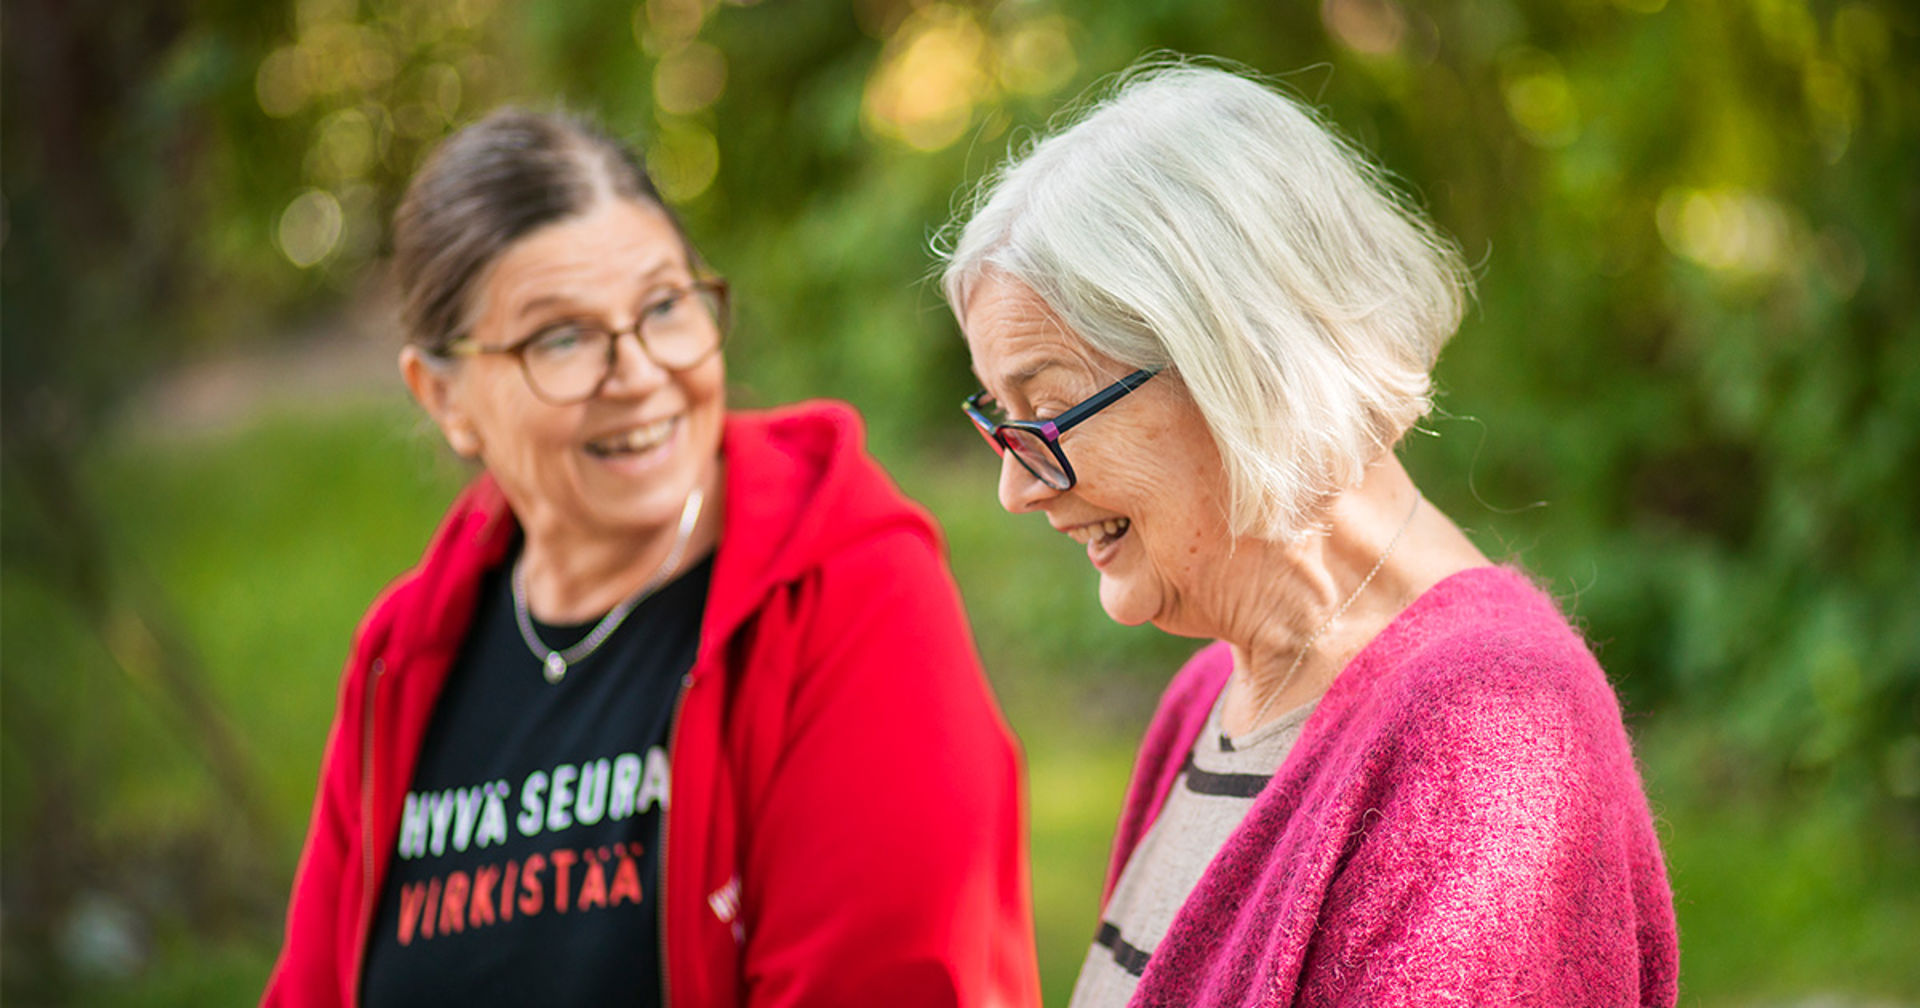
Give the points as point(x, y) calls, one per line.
point(632, 369)
point(1020, 490)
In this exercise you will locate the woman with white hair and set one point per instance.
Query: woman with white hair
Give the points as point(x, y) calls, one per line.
point(1398, 776)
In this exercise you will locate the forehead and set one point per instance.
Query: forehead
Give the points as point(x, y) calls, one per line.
point(1013, 335)
point(604, 251)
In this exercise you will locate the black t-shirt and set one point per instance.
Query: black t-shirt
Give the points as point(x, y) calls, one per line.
point(527, 868)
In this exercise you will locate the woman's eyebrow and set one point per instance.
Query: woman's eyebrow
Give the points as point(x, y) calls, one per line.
point(666, 265)
point(651, 274)
point(1021, 378)
point(542, 303)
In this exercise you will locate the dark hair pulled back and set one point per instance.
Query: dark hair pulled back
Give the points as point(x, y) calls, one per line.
point(485, 187)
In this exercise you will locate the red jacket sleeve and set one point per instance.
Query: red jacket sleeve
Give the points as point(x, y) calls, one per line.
point(317, 951)
point(884, 858)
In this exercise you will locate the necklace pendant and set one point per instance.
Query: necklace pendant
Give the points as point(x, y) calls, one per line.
point(556, 667)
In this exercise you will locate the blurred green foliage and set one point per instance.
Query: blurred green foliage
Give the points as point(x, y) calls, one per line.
point(1688, 399)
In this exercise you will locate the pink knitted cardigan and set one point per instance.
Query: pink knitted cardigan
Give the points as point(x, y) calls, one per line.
point(1460, 822)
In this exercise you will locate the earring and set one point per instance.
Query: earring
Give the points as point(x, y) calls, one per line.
point(464, 441)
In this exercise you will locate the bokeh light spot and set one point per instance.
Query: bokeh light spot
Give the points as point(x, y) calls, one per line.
point(683, 159)
point(1860, 36)
point(1374, 27)
point(310, 227)
point(1037, 57)
point(689, 79)
point(310, 14)
point(374, 63)
point(344, 148)
point(670, 24)
point(283, 83)
point(926, 87)
point(1729, 230)
point(442, 89)
point(1539, 99)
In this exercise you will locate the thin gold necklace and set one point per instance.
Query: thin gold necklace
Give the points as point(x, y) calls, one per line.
point(1301, 657)
point(553, 663)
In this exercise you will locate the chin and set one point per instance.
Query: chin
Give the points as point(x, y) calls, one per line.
point(1121, 607)
point(645, 508)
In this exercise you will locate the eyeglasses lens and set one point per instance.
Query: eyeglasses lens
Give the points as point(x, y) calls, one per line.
point(678, 332)
point(1032, 451)
point(567, 366)
point(681, 331)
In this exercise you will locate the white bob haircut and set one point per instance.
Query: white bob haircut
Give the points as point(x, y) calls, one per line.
point(1198, 220)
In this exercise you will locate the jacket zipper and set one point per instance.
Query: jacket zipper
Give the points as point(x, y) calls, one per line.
point(366, 830)
point(673, 734)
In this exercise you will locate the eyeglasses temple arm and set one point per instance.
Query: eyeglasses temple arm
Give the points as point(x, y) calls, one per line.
point(1102, 399)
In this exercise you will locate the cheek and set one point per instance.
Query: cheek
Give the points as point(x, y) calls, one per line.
point(511, 424)
point(711, 383)
point(1141, 475)
point(1176, 528)
point(705, 390)
point(1179, 502)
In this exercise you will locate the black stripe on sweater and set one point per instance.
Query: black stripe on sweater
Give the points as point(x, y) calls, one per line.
point(1229, 785)
point(1131, 959)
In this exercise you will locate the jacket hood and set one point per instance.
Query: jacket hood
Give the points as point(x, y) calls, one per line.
point(815, 492)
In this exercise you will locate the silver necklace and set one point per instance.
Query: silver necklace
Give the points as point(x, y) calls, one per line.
point(554, 663)
point(1301, 657)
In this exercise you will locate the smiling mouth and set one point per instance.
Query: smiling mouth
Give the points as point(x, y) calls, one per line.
point(1099, 534)
point(635, 441)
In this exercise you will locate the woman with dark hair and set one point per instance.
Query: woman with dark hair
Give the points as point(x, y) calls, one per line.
point(679, 707)
point(1397, 776)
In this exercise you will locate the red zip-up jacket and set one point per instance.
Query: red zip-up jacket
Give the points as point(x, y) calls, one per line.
point(846, 824)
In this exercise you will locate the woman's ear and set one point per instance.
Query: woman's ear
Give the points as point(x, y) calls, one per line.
point(432, 383)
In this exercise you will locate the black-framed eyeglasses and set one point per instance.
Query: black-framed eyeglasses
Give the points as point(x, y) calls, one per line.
point(569, 362)
point(1036, 443)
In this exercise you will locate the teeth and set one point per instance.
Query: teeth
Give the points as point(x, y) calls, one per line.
point(638, 439)
point(1103, 530)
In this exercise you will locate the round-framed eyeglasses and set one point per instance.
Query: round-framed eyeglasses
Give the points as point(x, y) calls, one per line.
point(1035, 444)
point(570, 361)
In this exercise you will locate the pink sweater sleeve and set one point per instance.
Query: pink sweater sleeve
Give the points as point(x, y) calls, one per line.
point(1497, 859)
